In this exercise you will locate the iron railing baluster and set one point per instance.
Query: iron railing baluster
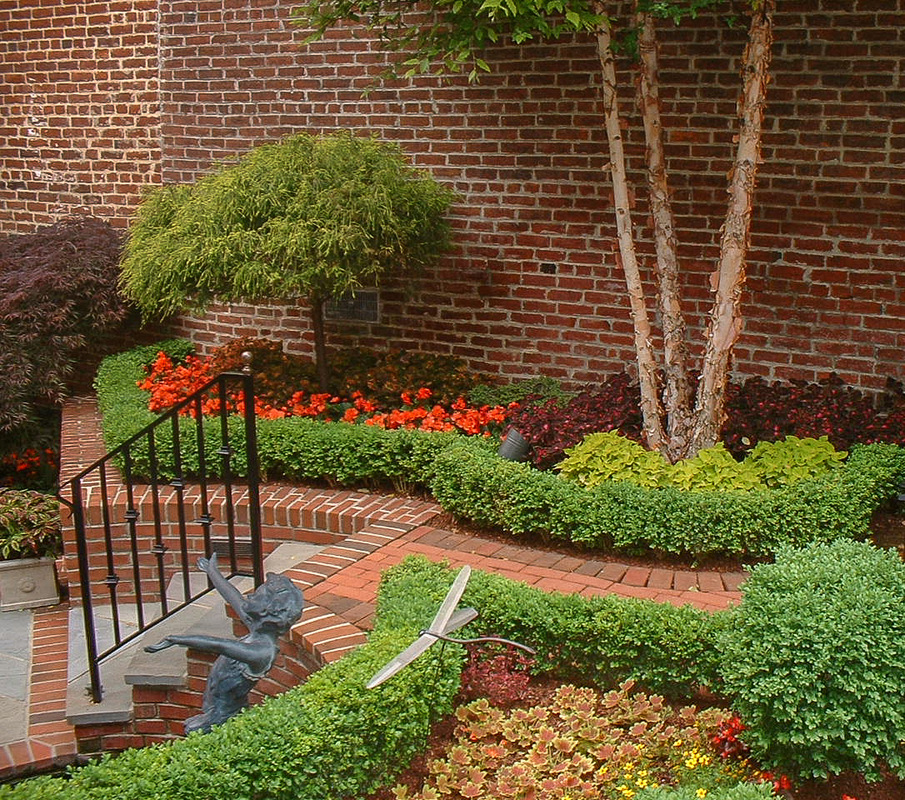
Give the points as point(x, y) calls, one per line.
point(156, 465)
point(131, 518)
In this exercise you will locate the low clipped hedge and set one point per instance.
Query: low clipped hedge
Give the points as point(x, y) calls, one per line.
point(601, 641)
point(329, 737)
point(476, 485)
point(467, 478)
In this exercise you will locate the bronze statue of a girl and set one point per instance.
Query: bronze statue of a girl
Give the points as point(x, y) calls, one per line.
point(271, 610)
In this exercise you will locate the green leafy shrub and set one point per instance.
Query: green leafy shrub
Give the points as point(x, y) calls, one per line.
point(29, 524)
point(58, 298)
point(607, 456)
point(476, 485)
point(790, 460)
point(469, 480)
point(713, 469)
point(813, 659)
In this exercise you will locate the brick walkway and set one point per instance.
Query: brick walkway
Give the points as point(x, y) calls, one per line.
point(340, 586)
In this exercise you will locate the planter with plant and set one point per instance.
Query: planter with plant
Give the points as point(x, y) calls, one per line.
point(30, 540)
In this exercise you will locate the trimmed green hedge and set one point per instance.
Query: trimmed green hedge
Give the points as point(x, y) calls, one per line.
point(329, 737)
point(476, 485)
point(468, 479)
point(601, 641)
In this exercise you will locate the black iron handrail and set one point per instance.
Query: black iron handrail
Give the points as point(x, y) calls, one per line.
point(145, 444)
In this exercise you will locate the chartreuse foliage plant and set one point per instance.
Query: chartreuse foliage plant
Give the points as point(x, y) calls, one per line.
point(813, 660)
point(609, 456)
point(792, 459)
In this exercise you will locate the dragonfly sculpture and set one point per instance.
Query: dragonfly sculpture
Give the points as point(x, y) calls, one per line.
point(446, 621)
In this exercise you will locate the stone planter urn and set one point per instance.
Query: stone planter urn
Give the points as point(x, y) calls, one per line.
point(28, 583)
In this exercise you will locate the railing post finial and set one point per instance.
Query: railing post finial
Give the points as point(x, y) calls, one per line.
point(246, 357)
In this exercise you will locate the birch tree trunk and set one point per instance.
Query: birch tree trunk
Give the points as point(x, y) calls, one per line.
point(647, 363)
point(728, 281)
point(677, 390)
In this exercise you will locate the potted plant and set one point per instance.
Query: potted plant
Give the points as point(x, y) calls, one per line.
point(30, 540)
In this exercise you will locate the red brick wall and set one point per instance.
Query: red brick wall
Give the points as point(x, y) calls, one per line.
point(80, 124)
point(525, 149)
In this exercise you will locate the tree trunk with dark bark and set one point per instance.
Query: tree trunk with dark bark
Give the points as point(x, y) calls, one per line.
point(320, 342)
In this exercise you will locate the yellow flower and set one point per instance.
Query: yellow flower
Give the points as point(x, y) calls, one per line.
point(701, 793)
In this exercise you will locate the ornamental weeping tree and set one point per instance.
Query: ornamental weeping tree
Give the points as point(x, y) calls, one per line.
point(309, 217)
point(679, 420)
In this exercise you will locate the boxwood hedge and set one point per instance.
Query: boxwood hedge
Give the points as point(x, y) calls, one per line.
point(331, 737)
point(467, 478)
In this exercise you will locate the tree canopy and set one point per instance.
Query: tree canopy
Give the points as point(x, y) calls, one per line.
point(307, 217)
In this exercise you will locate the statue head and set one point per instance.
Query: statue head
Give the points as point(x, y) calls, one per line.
point(277, 602)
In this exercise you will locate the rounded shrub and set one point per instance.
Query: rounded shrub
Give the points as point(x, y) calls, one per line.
point(814, 660)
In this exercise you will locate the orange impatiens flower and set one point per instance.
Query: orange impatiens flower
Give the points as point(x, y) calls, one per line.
point(169, 383)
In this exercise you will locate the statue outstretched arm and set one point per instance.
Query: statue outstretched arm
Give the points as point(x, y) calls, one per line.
point(227, 591)
point(257, 655)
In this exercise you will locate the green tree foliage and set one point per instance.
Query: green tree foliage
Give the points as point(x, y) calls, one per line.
point(308, 217)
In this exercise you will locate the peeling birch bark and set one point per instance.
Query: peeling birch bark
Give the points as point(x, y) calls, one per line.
point(647, 363)
point(677, 390)
point(725, 319)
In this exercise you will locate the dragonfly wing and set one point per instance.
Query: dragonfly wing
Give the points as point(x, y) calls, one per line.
point(451, 600)
point(405, 658)
point(460, 619)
